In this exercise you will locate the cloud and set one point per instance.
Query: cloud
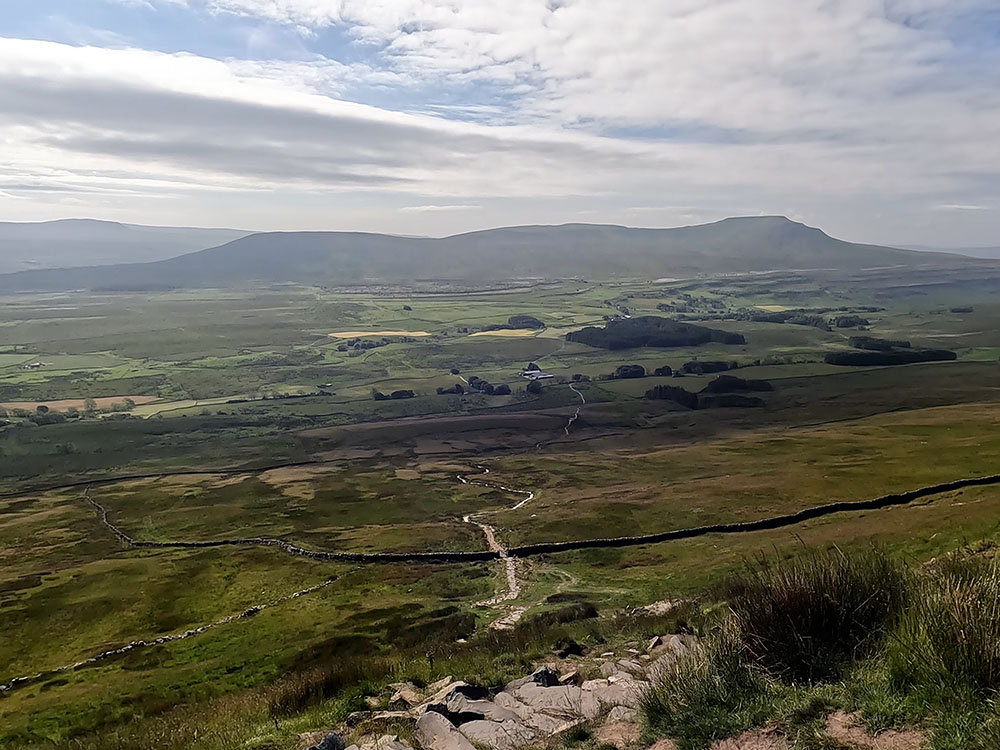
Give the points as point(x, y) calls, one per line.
point(820, 107)
point(960, 207)
point(433, 208)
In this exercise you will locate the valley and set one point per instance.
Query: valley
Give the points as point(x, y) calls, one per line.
point(255, 513)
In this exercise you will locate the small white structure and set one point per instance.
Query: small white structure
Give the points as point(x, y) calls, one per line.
point(535, 375)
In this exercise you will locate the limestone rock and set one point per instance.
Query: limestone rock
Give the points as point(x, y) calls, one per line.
point(506, 735)
point(625, 692)
point(609, 668)
point(406, 694)
point(565, 701)
point(622, 714)
point(434, 732)
point(537, 720)
point(461, 711)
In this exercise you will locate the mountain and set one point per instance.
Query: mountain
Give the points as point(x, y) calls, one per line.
point(571, 250)
point(993, 253)
point(86, 242)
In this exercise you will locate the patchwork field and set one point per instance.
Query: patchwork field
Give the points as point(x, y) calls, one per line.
point(250, 423)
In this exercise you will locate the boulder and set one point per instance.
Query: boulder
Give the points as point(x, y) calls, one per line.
point(537, 720)
point(620, 714)
point(332, 741)
point(506, 735)
point(567, 702)
point(461, 711)
point(569, 678)
point(632, 667)
point(434, 732)
point(609, 668)
point(625, 692)
point(406, 694)
point(385, 742)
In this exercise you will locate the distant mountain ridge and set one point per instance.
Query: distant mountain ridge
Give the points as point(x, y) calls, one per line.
point(570, 250)
point(91, 242)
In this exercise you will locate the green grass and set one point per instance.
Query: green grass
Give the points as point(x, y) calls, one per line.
point(630, 466)
point(900, 648)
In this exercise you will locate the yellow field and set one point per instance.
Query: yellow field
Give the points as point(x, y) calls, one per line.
point(77, 403)
point(773, 308)
point(359, 334)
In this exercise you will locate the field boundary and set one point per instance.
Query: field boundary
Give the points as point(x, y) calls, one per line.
point(545, 548)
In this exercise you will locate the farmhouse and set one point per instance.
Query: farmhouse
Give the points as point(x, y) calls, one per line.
point(535, 375)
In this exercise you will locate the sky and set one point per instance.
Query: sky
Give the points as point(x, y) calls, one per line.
point(876, 120)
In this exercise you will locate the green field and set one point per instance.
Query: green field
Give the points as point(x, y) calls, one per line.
point(249, 381)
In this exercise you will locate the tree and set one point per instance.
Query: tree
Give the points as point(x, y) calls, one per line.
point(89, 405)
point(534, 387)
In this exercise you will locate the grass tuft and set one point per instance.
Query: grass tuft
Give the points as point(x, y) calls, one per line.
point(809, 619)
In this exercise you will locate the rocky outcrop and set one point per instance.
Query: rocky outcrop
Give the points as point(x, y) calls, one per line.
point(434, 732)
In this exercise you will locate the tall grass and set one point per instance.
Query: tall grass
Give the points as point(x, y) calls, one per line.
point(709, 693)
point(810, 618)
point(949, 640)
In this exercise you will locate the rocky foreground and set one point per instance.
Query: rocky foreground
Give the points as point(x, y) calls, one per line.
point(536, 710)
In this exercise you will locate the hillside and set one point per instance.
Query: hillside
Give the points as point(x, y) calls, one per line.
point(86, 242)
point(572, 250)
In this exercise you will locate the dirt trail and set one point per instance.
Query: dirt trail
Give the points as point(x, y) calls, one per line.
point(511, 565)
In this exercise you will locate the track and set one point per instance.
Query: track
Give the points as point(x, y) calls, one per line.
point(511, 558)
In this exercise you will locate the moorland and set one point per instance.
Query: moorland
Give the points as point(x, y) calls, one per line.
point(191, 416)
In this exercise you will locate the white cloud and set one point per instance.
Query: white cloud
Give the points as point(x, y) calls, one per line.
point(960, 207)
point(434, 207)
point(751, 104)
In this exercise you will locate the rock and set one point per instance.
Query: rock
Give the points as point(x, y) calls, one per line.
point(537, 720)
point(632, 667)
point(545, 676)
point(609, 668)
point(621, 714)
point(570, 678)
point(626, 692)
point(633, 651)
point(436, 687)
point(567, 702)
point(507, 735)
point(662, 608)
point(673, 649)
point(332, 741)
point(441, 696)
point(389, 716)
point(664, 744)
point(654, 642)
point(407, 694)
point(373, 702)
point(461, 711)
point(385, 742)
point(608, 655)
point(472, 692)
point(621, 735)
point(434, 732)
